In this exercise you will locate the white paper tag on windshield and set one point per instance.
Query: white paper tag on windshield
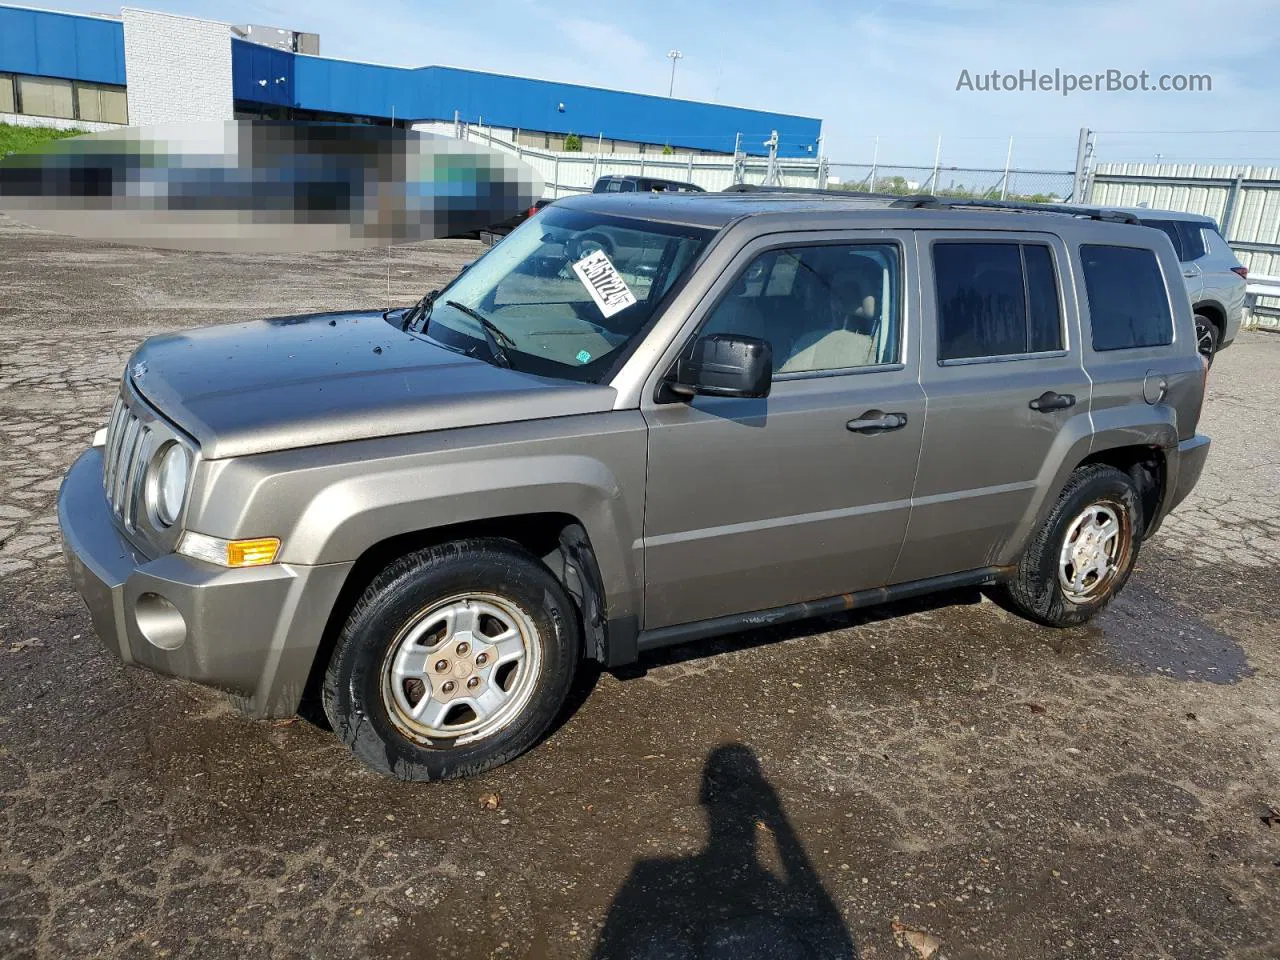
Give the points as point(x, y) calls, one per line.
point(604, 283)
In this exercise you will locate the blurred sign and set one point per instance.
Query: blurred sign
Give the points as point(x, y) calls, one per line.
point(265, 186)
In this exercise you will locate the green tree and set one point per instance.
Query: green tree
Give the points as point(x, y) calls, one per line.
point(573, 143)
point(667, 151)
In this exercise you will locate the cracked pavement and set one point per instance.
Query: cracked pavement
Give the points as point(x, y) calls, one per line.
point(931, 772)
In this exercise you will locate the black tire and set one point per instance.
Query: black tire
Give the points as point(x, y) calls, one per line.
point(1036, 590)
point(1208, 337)
point(588, 243)
point(358, 693)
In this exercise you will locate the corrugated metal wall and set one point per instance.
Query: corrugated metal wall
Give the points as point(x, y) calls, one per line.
point(1245, 201)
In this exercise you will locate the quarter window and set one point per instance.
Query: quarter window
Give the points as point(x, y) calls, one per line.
point(1128, 305)
point(996, 299)
point(821, 307)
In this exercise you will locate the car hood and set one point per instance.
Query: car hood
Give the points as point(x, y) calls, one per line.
point(277, 384)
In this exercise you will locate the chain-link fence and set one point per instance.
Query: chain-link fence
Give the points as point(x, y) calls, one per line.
point(567, 173)
point(969, 182)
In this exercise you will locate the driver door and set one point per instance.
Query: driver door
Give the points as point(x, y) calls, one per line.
point(754, 504)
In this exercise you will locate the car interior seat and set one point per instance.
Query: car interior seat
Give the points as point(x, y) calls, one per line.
point(852, 339)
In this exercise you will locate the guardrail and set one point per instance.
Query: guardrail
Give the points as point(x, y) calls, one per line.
point(1262, 302)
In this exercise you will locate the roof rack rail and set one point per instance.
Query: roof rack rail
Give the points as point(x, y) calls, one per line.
point(834, 194)
point(927, 201)
point(1018, 206)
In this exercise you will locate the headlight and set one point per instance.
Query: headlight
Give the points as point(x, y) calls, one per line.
point(167, 485)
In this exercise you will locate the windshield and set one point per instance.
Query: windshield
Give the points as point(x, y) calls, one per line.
point(566, 292)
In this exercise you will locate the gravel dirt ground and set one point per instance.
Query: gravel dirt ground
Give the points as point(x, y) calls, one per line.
point(935, 778)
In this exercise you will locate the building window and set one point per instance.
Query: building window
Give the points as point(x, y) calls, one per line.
point(8, 103)
point(101, 103)
point(46, 97)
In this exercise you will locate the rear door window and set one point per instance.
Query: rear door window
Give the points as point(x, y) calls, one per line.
point(1128, 303)
point(1170, 229)
point(1192, 235)
point(995, 299)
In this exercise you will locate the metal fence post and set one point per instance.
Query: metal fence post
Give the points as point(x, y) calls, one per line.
point(1004, 182)
point(937, 159)
point(555, 177)
point(1084, 149)
point(1232, 209)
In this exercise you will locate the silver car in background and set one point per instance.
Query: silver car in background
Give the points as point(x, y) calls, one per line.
point(1214, 277)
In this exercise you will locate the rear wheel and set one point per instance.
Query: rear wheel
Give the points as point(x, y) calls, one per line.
point(456, 659)
point(1207, 337)
point(1083, 553)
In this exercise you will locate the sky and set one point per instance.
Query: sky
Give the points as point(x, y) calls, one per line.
point(873, 70)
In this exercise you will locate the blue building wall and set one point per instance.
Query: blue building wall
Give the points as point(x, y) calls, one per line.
point(48, 44)
point(535, 105)
point(435, 93)
point(62, 45)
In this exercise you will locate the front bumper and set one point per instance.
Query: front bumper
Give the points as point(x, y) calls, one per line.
point(253, 633)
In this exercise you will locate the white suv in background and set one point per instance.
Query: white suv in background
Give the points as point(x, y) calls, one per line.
point(1214, 277)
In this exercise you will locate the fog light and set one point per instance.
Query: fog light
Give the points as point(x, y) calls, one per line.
point(159, 621)
point(230, 553)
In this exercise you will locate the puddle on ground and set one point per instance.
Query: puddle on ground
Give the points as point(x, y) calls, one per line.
point(1159, 638)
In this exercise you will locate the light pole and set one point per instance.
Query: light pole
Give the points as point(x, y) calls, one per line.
point(673, 56)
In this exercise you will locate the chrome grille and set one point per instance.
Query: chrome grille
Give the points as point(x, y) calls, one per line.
point(128, 449)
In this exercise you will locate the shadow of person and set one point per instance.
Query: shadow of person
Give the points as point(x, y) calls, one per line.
point(724, 903)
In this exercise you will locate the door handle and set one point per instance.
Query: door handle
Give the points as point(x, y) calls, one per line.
point(1188, 274)
point(1049, 401)
point(875, 421)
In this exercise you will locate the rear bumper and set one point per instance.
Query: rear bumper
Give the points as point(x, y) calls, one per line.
point(253, 633)
point(1183, 472)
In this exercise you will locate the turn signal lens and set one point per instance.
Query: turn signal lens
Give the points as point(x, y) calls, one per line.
point(230, 553)
point(252, 553)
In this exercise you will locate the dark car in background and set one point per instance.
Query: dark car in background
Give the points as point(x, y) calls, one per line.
point(610, 184)
point(634, 184)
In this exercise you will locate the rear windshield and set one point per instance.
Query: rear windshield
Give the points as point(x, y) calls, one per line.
point(569, 291)
point(1128, 304)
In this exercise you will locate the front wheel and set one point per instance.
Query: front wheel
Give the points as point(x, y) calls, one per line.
point(457, 659)
point(1083, 553)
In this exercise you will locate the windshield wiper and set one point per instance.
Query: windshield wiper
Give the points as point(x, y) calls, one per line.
point(419, 309)
point(494, 336)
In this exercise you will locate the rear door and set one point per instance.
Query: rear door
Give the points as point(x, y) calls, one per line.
point(803, 495)
point(1002, 372)
point(1141, 347)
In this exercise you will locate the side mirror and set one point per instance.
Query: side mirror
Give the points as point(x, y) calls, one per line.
point(724, 365)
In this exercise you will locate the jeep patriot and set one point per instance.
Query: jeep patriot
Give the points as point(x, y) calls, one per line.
point(638, 420)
